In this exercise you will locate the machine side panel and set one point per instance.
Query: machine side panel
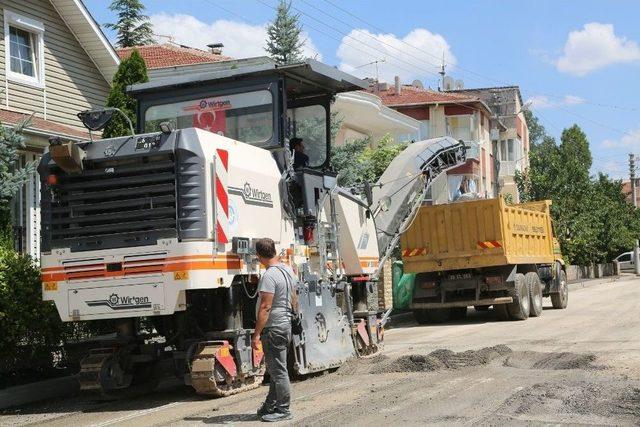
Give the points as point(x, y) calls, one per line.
point(357, 238)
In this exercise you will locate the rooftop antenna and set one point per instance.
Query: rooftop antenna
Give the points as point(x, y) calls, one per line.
point(442, 73)
point(376, 65)
point(169, 38)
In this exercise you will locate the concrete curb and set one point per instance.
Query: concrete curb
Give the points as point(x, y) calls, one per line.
point(42, 390)
point(585, 283)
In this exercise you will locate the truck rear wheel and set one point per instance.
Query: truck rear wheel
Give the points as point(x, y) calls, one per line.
point(501, 311)
point(519, 308)
point(561, 299)
point(535, 294)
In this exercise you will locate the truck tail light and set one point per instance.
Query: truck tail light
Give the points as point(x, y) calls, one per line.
point(428, 285)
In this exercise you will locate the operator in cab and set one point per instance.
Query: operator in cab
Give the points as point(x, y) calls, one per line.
point(300, 159)
point(274, 313)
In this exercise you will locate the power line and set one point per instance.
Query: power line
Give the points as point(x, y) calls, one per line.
point(486, 78)
point(371, 55)
point(337, 30)
point(400, 59)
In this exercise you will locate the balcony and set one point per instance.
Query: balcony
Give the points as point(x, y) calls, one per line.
point(509, 168)
point(473, 150)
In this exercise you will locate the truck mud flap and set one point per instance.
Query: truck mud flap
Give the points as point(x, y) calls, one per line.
point(326, 341)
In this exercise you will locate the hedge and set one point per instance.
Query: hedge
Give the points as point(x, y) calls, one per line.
point(30, 329)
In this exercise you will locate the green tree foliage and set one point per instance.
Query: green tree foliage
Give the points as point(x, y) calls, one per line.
point(377, 158)
point(357, 161)
point(133, 26)
point(537, 132)
point(593, 221)
point(335, 124)
point(345, 160)
point(131, 70)
point(12, 177)
point(31, 328)
point(283, 36)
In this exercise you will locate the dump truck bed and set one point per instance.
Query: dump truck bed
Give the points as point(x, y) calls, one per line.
point(476, 234)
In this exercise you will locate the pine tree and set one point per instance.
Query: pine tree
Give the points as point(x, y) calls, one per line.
point(131, 70)
point(133, 26)
point(12, 177)
point(283, 36)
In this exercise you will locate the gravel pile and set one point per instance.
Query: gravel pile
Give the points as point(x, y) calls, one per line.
point(552, 361)
point(441, 359)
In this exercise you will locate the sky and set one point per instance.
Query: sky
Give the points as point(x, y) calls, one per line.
point(578, 61)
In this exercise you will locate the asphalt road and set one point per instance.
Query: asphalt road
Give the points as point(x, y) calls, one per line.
point(575, 366)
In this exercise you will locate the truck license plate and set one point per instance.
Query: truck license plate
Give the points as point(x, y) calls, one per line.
point(460, 276)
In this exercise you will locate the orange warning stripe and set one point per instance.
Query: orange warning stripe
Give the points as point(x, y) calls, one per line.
point(194, 262)
point(414, 252)
point(489, 244)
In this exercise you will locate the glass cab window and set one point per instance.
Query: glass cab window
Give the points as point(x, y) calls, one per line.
point(310, 124)
point(246, 117)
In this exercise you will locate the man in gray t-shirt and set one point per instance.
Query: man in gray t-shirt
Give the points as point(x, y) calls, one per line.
point(273, 329)
point(277, 281)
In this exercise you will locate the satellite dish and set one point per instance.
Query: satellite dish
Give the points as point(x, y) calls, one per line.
point(448, 83)
point(417, 84)
point(459, 84)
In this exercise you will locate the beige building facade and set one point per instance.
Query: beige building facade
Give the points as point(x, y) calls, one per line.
point(56, 63)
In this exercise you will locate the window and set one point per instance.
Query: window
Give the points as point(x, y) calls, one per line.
point(24, 55)
point(459, 127)
point(310, 124)
point(246, 117)
point(511, 149)
point(424, 129)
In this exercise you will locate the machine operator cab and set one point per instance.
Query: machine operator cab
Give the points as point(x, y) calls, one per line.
point(263, 104)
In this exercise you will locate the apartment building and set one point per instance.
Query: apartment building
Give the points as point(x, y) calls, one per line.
point(57, 62)
point(509, 133)
point(460, 116)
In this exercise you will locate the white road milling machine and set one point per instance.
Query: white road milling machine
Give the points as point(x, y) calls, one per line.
point(155, 231)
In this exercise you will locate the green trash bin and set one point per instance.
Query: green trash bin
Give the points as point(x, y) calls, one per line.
point(402, 286)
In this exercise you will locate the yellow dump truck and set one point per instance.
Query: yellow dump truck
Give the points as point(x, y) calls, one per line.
point(483, 253)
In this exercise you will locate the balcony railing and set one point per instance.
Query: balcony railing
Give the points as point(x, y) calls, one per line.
point(473, 150)
point(509, 168)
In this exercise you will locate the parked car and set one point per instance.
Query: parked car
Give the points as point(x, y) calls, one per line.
point(625, 260)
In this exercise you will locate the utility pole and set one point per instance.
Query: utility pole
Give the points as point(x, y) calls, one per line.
point(442, 72)
point(632, 179)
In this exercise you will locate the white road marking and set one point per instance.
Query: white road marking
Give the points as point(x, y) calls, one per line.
point(137, 414)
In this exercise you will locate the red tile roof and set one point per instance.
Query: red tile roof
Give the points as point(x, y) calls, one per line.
point(410, 95)
point(170, 55)
point(9, 117)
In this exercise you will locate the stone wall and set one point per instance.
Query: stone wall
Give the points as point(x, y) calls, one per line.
point(580, 272)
